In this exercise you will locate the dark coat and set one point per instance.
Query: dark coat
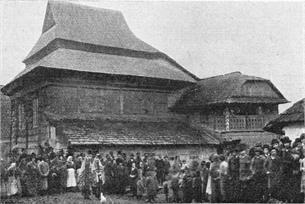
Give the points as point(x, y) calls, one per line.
point(233, 168)
point(151, 185)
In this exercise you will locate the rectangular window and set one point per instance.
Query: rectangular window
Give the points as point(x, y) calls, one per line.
point(21, 121)
point(35, 112)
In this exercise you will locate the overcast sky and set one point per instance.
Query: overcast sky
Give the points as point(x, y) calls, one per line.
point(207, 38)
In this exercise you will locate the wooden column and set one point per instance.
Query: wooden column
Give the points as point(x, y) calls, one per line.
point(227, 118)
point(121, 102)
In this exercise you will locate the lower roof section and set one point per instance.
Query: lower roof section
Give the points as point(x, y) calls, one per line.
point(134, 133)
point(251, 138)
point(110, 64)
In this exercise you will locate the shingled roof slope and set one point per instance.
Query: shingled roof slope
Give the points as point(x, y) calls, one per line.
point(109, 64)
point(294, 114)
point(86, 24)
point(101, 40)
point(251, 138)
point(225, 88)
point(134, 133)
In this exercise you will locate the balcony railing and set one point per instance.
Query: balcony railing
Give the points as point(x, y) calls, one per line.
point(239, 122)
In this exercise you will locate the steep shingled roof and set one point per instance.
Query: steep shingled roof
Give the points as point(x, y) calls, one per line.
point(87, 39)
point(294, 114)
point(225, 88)
point(109, 64)
point(251, 138)
point(101, 33)
point(134, 133)
point(86, 24)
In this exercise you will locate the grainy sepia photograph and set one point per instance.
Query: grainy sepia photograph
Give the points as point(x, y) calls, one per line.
point(130, 102)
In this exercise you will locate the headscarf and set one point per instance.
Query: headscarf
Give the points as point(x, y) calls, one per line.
point(85, 165)
point(12, 166)
point(70, 159)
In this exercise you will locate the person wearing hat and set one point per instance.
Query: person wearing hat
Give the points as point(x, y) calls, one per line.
point(275, 144)
point(138, 159)
point(120, 158)
point(167, 166)
point(133, 176)
point(109, 172)
point(287, 170)
point(32, 175)
point(273, 170)
point(130, 161)
point(54, 179)
point(245, 176)
point(297, 143)
point(259, 176)
point(233, 177)
point(266, 149)
point(295, 180)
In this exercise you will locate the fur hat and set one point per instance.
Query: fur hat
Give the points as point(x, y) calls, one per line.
point(274, 141)
point(258, 149)
point(285, 140)
point(259, 144)
point(297, 140)
point(266, 146)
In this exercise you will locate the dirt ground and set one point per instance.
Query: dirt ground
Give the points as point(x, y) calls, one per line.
point(77, 198)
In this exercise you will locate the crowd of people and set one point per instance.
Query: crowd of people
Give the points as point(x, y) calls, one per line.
point(261, 173)
point(264, 173)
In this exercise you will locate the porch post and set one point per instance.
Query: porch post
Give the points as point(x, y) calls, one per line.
point(227, 118)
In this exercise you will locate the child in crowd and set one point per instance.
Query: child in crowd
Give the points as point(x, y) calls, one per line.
point(166, 184)
point(140, 187)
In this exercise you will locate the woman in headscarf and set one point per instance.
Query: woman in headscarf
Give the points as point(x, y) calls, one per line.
point(98, 171)
point(22, 170)
point(71, 179)
point(44, 170)
point(86, 178)
point(215, 179)
point(12, 180)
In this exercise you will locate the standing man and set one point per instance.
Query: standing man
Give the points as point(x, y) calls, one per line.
point(204, 176)
point(287, 170)
point(160, 169)
point(133, 176)
point(233, 177)
point(244, 177)
point(273, 171)
point(259, 176)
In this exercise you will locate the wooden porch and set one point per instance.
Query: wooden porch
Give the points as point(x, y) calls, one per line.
point(238, 122)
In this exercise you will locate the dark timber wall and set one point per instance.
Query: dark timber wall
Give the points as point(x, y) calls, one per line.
point(84, 100)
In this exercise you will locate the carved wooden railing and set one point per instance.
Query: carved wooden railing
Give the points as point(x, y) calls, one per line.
point(239, 122)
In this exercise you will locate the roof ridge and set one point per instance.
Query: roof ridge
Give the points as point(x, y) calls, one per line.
point(84, 6)
point(222, 75)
